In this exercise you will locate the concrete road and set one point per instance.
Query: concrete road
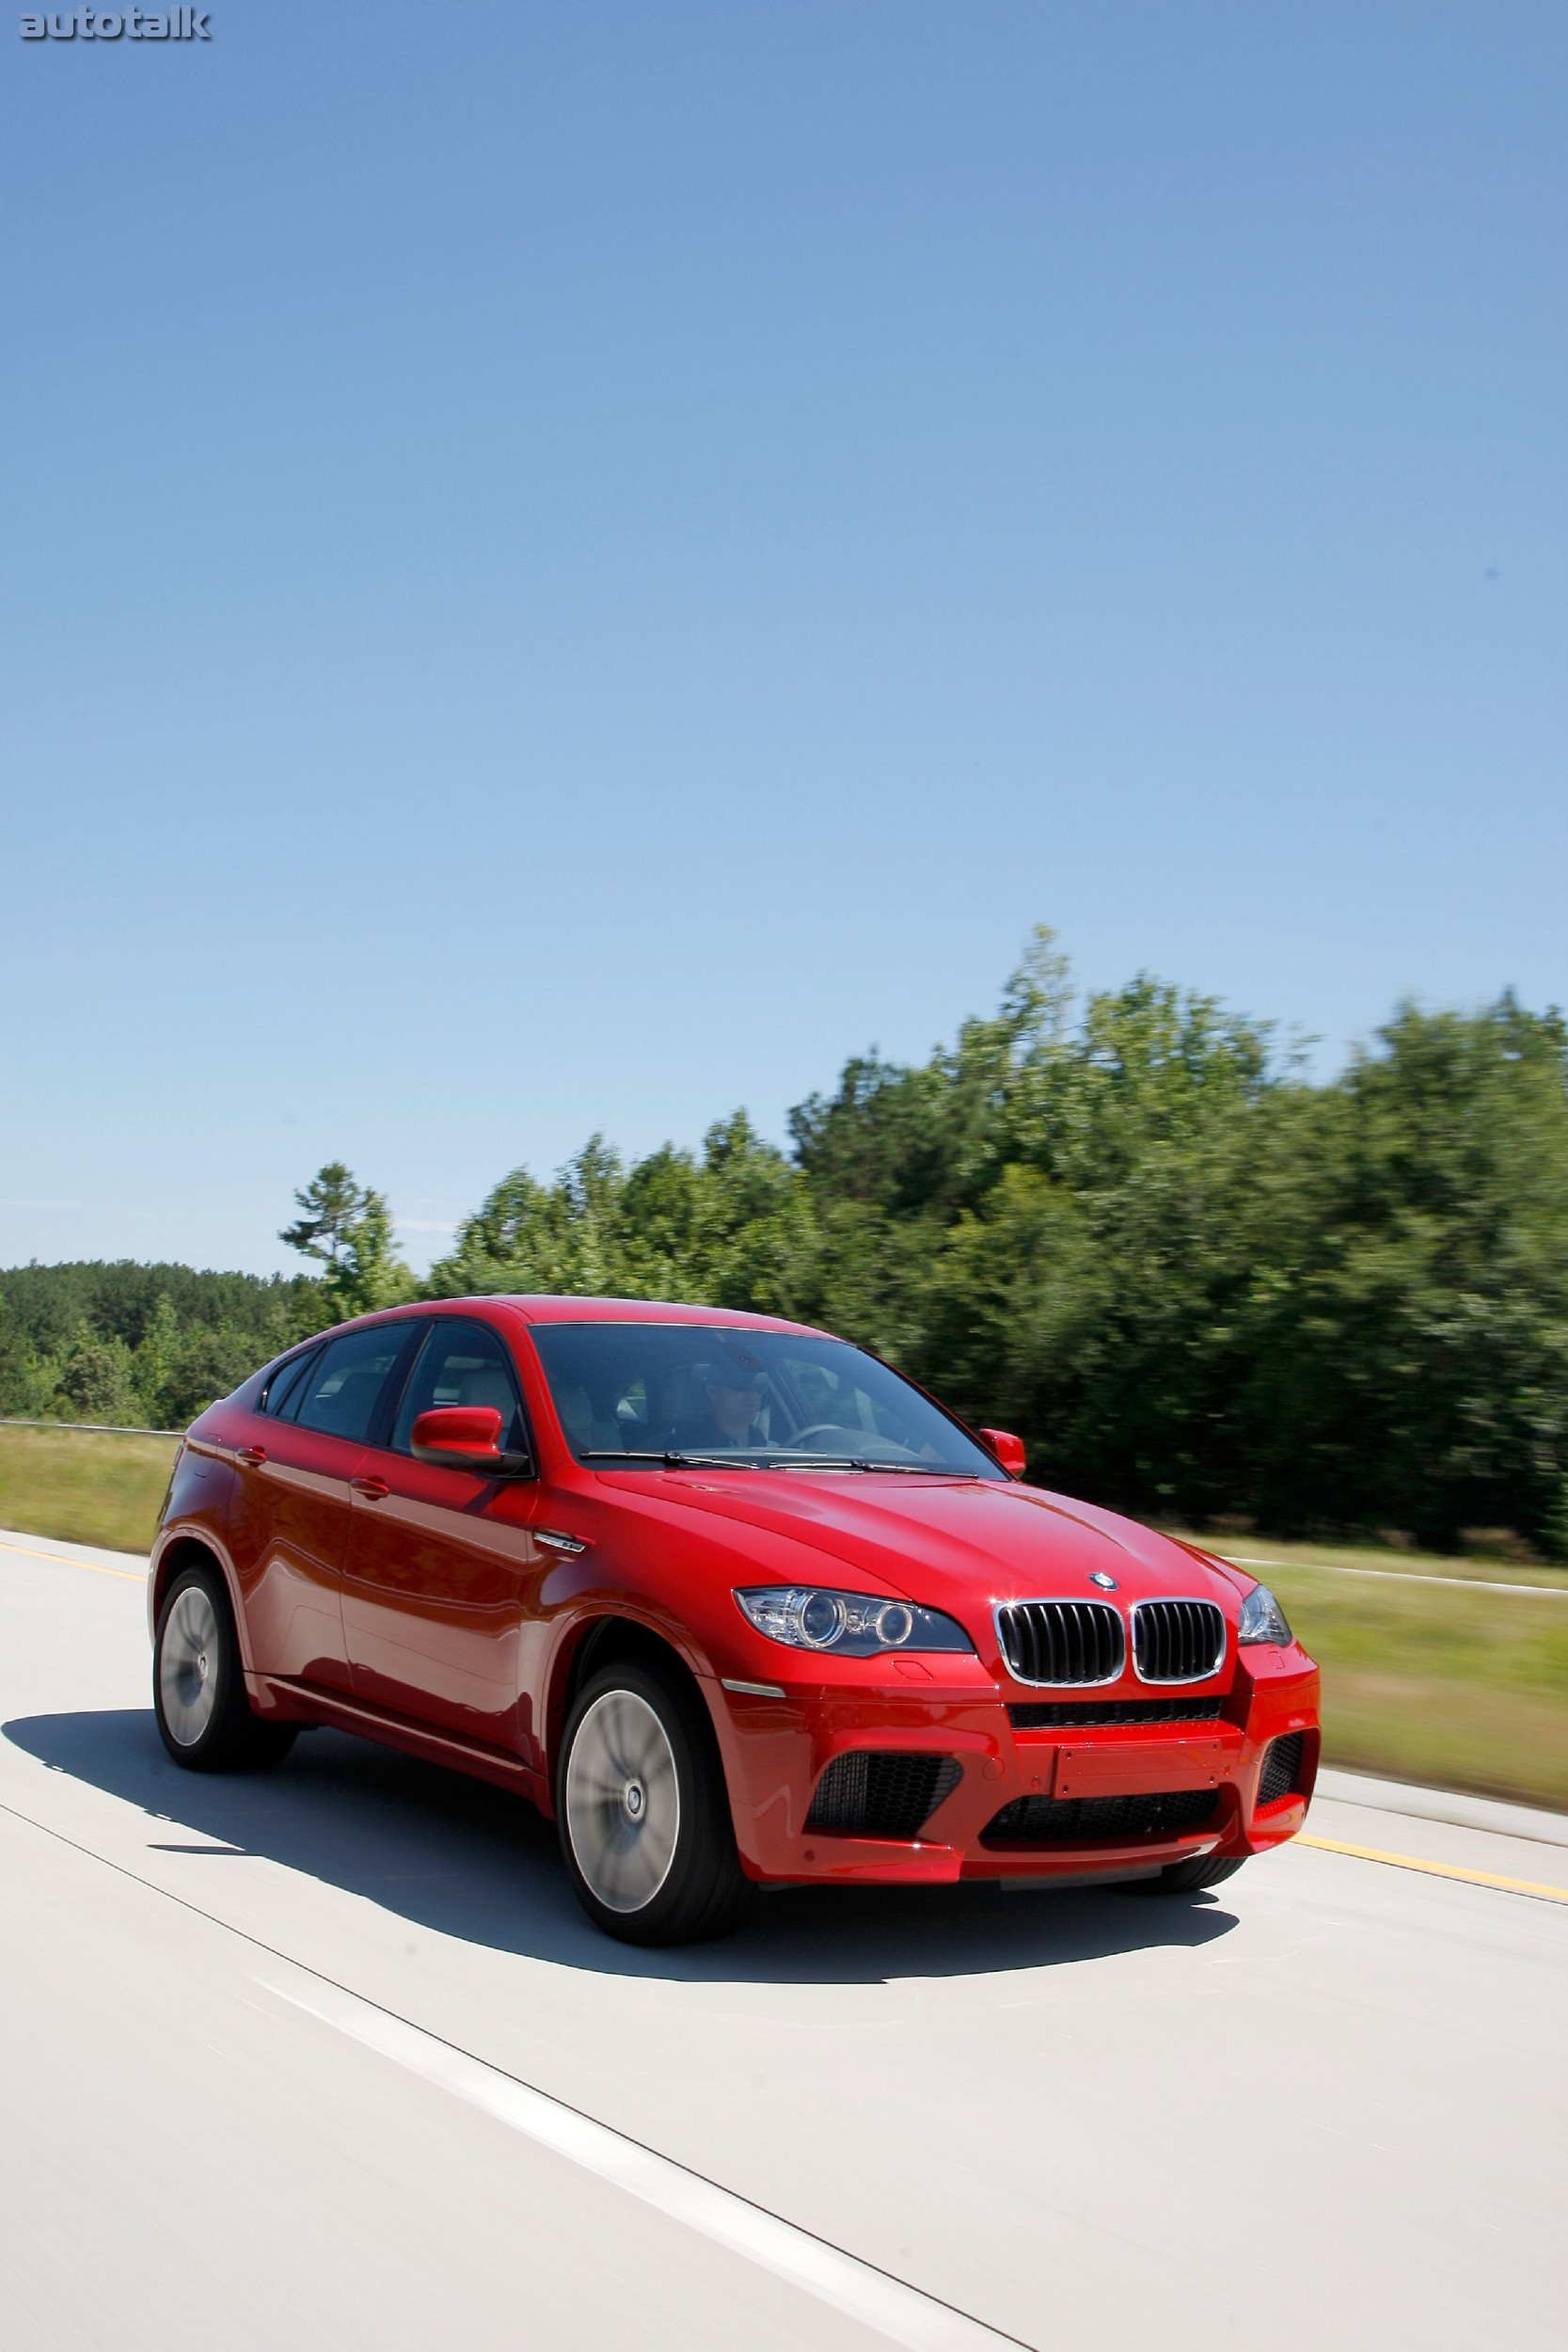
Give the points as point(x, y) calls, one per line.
point(331, 2056)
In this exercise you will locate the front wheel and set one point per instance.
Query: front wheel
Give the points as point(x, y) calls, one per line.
point(198, 1693)
point(644, 1817)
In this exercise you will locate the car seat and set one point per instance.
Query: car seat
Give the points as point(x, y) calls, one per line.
point(488, 1384)
point(587, 1432)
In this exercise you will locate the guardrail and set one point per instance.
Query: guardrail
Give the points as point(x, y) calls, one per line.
point(100, 1428)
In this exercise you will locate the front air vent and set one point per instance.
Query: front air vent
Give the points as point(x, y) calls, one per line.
point(1061, 1641)
point(1281, 1772)
point(1080, 1714)
point(1177, 1641)
point(1152, 1819)
point(874, 1793)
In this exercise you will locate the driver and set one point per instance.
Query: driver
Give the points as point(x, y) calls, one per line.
point(734, 1392)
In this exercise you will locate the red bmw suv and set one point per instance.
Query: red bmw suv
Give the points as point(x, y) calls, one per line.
point(728, 1598)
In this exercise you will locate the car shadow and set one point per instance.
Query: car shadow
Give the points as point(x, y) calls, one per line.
point(463, 1859)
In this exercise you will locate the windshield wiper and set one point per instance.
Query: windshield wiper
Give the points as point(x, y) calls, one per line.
point(670, 1460)
point(859, 1462)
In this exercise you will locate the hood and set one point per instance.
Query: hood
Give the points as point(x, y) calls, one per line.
point(957, 1544)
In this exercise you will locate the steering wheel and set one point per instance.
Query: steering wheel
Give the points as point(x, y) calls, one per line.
point(823, 1429)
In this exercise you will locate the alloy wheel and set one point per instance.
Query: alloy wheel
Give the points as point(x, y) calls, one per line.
point(188, 1665)
point(623, 1802)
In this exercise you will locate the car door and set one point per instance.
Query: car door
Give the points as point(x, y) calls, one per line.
point(289, 1520)
point(441, 1562)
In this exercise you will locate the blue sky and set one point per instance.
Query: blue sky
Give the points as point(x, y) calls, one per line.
point(566, 567)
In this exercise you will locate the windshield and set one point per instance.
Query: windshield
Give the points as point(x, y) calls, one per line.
point(680, 1393)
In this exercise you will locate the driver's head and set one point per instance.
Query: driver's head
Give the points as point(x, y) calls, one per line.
point(733, 1391)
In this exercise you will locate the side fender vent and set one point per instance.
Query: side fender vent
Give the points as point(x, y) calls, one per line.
point(1281, 1772)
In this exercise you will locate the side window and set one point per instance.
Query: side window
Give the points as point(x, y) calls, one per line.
point(345, 1385)
point(463, 1363)
point(287, 1386)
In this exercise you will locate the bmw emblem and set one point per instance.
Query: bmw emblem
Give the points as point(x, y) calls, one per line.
point(1107, 1583)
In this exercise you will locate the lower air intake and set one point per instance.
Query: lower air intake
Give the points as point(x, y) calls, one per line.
point(1102, 1820)
point(1281, 1773)
point(1059, 1714)
point(882, 1794)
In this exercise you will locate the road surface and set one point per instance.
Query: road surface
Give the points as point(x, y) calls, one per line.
point(331, 2056)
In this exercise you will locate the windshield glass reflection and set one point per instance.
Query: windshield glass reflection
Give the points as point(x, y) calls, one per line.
point(710, 1392)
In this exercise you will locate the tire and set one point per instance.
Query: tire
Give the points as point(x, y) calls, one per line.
point(1185, 1877)
point(198, 1693)
point(644, 1811)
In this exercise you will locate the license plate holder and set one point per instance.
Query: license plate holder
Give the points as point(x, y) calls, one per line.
point(1136, 1768)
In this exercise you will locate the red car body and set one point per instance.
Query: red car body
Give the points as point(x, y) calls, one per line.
point(451, 1615)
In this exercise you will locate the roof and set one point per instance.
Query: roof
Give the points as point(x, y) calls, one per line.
point(554, 1307)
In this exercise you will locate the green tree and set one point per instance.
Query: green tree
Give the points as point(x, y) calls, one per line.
point(189, 1337)
point(27, 1378)
point(98, 1383)
point(348, 1226)
point(1128, 1226)
point(182, 1366)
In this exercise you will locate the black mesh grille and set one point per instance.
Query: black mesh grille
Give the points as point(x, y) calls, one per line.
point(1101, 1821)
point(1052, 1714)
point(1281, 1771)
point(882, 1794)
point(1063, 1641)
point(1177, 1641)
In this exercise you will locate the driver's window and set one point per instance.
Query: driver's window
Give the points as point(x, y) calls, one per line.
point(463, 1363)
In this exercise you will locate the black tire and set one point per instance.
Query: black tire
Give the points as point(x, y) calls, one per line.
point(198, 1693)
point(1185, 1877)
point(644, 1812)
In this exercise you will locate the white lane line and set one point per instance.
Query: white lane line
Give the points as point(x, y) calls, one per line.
point(873, 2297)
point(1402, 1575)
point(903, 2313)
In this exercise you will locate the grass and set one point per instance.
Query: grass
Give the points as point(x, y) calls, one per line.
point(1460, 1688)
point(1457, 1688)
point(83, 1487)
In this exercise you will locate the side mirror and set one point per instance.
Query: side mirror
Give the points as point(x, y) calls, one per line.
point(1007, 1448)
point(467, 1438)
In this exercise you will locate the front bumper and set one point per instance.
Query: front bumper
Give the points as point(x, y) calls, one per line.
point(775, 1750)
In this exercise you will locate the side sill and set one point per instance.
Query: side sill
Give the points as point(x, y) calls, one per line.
point(311, 1703)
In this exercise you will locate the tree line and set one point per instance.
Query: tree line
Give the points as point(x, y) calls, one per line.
point(1200, 1284)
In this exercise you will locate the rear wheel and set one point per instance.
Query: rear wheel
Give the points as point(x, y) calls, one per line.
point(644, 1814)
point(1182, 1878)
point(198, 1693)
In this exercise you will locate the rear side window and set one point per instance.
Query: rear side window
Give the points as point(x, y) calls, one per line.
point(347, 1381)
point(463, 1363)
point(286, 1387)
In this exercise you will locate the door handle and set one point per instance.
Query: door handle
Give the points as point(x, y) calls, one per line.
point(374, 1489)
point(253, 1456)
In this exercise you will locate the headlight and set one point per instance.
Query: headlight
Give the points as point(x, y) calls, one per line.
point(855, 1625)
point(1262, 1618)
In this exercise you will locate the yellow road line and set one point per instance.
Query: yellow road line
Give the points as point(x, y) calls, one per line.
point(1438, 1870)
point(63, 1560)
